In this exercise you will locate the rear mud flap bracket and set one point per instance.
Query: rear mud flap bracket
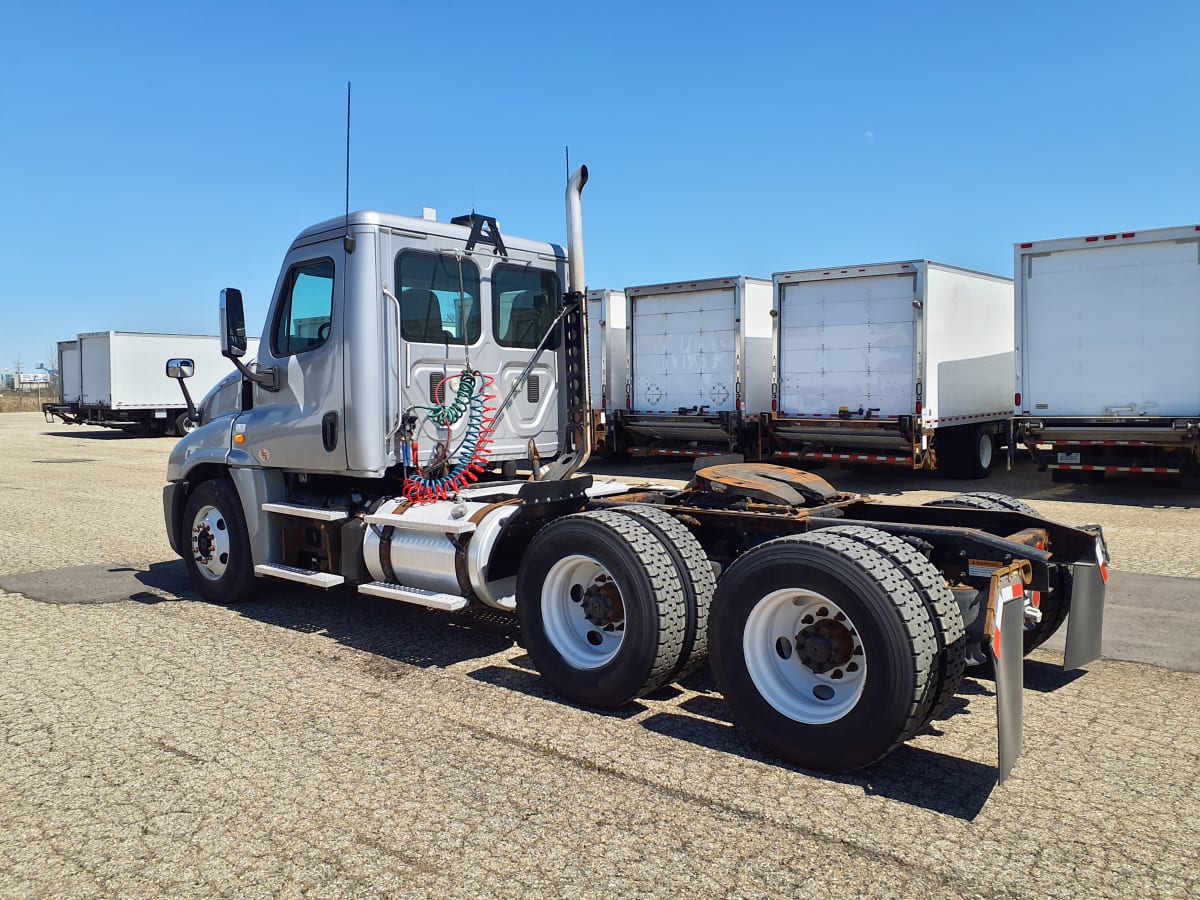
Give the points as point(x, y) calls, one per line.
point(1005, 626)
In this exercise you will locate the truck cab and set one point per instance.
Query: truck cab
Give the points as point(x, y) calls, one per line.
point(374, 316)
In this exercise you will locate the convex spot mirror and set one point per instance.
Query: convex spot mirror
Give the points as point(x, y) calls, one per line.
point(180, 368)
point(233, 324)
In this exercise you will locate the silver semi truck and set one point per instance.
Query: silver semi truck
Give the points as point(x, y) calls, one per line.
point(414, 429)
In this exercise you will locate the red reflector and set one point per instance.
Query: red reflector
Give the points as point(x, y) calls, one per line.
point(774, 406)
point(1017, 399)
point(919, 407)
point(1089, 240)
point(1129, 234)
point(737, 404)
point(1026, 246)
point(628, 403)
point(1110, 237)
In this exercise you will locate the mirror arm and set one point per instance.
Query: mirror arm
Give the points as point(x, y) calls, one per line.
point(267, 379)
point(187, 396)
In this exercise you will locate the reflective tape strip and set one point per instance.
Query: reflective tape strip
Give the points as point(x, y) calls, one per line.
point(853, 457)
point(1143, 469)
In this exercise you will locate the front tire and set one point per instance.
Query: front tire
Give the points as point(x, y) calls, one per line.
point(601, 608)
point(822, 649)
point(215, 543)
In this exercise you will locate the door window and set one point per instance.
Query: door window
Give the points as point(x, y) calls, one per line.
point(306, 314)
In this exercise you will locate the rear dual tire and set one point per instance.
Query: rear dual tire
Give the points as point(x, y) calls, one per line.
point(823, 649)
point(602, 608)
point(1053, 604)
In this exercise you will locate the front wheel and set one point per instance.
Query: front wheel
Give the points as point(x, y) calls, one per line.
point(216, 546)
point(822, 649)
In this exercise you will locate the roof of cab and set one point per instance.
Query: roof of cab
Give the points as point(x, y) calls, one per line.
point(424, 226)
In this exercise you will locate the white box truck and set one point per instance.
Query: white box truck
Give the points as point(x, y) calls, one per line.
point(607, 314)
point(1106, 336)
point(117, 379)
point(907, 364)
point(698, 367)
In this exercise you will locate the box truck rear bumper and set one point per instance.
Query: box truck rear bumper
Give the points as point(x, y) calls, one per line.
point(868, 441)
point(645, 430)
point(1149, 446)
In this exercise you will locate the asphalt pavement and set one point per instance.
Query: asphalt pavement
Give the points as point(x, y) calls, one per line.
point(338, 745)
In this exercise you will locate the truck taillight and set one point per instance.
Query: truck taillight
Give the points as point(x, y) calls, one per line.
point(774, 406)
point(1016, 399)
point(919, 407)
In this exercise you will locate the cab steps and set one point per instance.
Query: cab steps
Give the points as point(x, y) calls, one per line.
point(303, 576)
point(416, 596)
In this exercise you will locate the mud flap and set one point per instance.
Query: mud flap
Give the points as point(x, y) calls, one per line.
point(1085, 622)
point(1005, 626)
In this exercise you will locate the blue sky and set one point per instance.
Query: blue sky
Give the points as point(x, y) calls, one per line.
point(154, 153)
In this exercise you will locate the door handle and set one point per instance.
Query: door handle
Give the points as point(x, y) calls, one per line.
point(329, 431)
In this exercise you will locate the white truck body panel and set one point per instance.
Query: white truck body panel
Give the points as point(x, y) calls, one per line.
point(127, 370)
point(1108, 325)
point(70, 373)
point(608, 318)
point(695, 345)
point(881, 337)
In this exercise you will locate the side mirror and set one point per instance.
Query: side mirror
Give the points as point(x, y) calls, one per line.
point(180, 368)
point(233, 324)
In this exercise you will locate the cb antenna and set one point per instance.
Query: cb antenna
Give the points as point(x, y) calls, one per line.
point(348, 239)
point(567, 151)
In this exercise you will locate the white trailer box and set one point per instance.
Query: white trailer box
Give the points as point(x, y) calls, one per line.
point(70, 373)
point(1106, 332)
point(905, 363)
point(123, 383)
point(607, 313)
point(698, 365)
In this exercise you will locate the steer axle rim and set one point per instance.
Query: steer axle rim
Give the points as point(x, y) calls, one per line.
point(583, 612)
point(210, 542)
point(805, 656)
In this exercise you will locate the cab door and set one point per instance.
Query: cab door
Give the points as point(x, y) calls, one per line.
point(300, 425)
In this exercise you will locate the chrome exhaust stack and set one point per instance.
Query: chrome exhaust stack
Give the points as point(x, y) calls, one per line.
point(577, 386)
point(575, 278)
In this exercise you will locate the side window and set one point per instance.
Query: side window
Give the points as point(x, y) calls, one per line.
point(307, 311)
point(436, 305)
point(524, 304)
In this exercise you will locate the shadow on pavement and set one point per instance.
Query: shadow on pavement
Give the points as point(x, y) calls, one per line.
point(404, 637)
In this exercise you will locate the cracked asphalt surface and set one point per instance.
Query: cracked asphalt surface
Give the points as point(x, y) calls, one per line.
point(339, 745)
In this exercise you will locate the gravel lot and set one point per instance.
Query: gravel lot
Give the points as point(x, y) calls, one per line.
point(340, 745)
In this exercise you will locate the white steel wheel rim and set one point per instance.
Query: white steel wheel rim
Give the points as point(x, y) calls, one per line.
point(774, 657)
point(575, 596)
point(210, 542)
point(985, 451)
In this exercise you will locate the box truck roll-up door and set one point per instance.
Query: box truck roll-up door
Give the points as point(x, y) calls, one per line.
point(684, 351)
point(1112, 331)
point(847, 342)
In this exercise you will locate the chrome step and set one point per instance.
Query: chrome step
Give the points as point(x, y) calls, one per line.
point(305, 512)
point(410, 522)
point(304, 576)
point(432, 599)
